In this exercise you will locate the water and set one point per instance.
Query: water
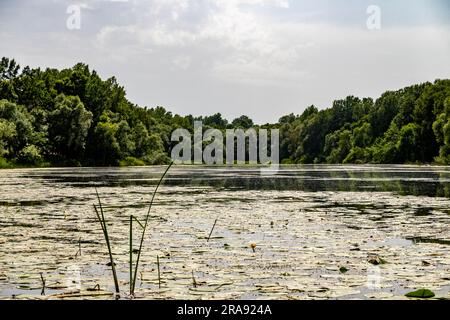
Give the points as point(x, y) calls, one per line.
point(306, 222)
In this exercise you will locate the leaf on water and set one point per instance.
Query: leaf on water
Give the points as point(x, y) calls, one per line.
point(376, 260)
point(421, 293)
point(426, 263)
point(343, 270)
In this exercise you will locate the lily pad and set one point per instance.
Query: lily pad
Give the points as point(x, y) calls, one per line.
point(421, 293)
point(343, 270)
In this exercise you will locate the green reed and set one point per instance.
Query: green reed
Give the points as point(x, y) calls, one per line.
point(101, 219)
point(144, 228)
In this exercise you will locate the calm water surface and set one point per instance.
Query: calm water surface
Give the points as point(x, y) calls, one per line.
point(306, 222)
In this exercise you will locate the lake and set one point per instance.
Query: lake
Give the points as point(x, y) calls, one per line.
point(303, 232)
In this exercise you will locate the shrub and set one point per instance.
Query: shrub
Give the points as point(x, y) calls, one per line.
point(131, 162)
point(30, 155)
point(4, 164)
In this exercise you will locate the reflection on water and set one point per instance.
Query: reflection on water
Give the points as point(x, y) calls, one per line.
point(307, 222)
point(405, 180)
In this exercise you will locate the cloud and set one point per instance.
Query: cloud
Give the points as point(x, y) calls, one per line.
point(265, 58)
point(239, 39)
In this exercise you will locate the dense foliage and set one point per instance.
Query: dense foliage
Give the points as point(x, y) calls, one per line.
point(73, 117)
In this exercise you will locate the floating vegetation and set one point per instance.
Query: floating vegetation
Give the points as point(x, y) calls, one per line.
point(301, 259)
point(376, 260)
point(343, 270)
point(421, 294)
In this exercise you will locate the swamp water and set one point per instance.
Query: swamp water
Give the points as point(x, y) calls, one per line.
point(315, 229)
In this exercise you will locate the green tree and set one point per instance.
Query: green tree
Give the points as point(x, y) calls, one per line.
point(8, 69)
point(243, 122)
point(21, 122)
point(69, 124)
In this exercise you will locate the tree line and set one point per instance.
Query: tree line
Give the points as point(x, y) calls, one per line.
point(72, 117)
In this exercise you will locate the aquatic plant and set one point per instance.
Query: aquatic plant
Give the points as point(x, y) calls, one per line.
point(101, 219)
point(212, 229)
point(421, 294)
point(144, 229)
point(144, 225)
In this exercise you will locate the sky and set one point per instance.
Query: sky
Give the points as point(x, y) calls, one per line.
point(261, 58)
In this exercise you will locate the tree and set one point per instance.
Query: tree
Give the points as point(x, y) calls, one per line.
point(441, 129)
point(215, 121)
point(74, 116)
point(8, 69)
point(407, 143)
point(243, 122)
point(362, 135)
point(19, 122)
point(68, 128)
point(7, 136)
point(107, 151)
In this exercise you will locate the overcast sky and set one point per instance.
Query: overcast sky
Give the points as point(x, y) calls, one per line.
point(263, 58)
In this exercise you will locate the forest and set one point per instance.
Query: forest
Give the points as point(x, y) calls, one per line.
point(72, 117)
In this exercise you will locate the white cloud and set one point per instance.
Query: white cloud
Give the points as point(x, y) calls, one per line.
point(248, 43)
point(182, 62)
point(233, 56)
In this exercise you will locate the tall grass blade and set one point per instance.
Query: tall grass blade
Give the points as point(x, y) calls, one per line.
point(101, 219)
point(159, 272)
point(194, 282)
point(145, 227)
point(131, 255)
point(209, 237)
point(43, 284)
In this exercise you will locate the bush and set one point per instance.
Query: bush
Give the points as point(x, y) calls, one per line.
point(131, 162)
point(157, 158)
point(4, 164)
point(30, 155)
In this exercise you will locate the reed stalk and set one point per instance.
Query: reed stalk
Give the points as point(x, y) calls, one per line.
point(43, 285)
point(209, 237)
point(159, 272)
point(194, 282)
point(144, 229)
point(101, 219)
point(131, 254)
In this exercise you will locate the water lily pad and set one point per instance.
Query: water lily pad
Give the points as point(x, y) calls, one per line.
point(343, 270)
point(421, 293)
